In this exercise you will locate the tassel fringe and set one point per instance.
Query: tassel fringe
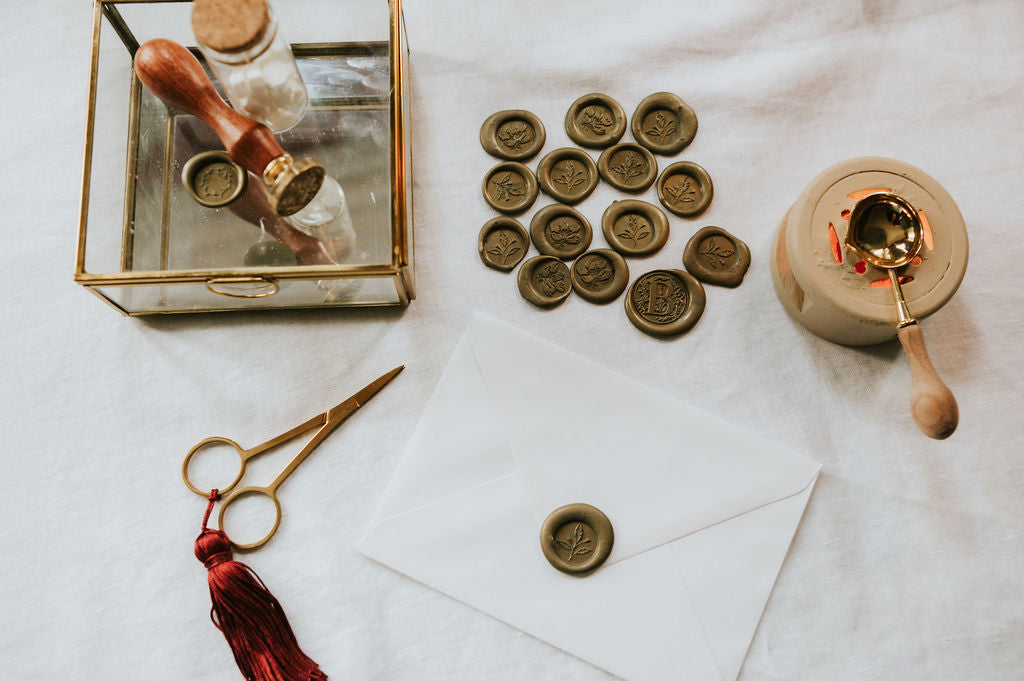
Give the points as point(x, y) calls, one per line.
point(249, 616)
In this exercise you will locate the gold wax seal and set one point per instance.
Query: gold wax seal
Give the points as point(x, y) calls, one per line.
point(577, 539)
point(213, 179)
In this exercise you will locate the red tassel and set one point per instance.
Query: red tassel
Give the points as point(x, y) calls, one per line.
point(249, 616)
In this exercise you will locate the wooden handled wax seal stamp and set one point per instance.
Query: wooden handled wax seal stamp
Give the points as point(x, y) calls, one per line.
point(174, 75)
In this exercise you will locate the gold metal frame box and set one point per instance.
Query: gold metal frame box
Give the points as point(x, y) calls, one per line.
point(147, 247)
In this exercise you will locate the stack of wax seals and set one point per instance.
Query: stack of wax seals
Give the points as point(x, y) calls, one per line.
point(662, 302)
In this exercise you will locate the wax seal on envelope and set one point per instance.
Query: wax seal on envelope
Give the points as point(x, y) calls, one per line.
point(703, 522)
point(577, 539)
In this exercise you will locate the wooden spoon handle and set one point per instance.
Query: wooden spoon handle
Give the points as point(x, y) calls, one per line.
point(931, 403)
point(176, 76)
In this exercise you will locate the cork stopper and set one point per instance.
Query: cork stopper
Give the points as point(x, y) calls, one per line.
point(230, 25)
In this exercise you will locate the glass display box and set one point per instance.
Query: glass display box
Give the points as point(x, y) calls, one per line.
point(146, 246)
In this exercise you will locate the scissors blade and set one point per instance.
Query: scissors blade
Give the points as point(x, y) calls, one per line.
point(364, 395)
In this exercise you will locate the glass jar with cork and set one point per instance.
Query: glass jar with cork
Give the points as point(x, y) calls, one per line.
point(253, 62)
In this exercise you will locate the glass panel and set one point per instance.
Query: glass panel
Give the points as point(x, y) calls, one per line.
point(196, 297)
point(301, 21)
point(407, 128)
point(141, 217)
point(105, 224)
point(350, 140)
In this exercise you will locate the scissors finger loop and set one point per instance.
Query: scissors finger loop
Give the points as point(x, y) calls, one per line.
point(251, 491)
point(206, 443)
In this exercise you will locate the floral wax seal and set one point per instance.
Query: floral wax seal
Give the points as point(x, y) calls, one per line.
point(568, 175)
point(634, 228)
point(514, 135)
point(544, 281)
point(628, 167)
point(595, 120)
point(577, 539)
point(600, 275)
point(665, 302)
point(685, 189)
point(213, 179)
point(510, 187)
point(716, 257)
point(561, 231)
point(503, 243)
point(664, 123)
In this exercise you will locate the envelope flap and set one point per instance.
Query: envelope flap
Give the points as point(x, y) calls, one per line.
point(659, 468)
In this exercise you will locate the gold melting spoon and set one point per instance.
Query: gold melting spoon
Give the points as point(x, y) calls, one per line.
point(886, 232)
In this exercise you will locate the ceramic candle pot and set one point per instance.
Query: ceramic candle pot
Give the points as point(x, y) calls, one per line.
point(826, 287)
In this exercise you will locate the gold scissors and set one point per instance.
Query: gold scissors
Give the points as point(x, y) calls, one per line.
point(328, 421)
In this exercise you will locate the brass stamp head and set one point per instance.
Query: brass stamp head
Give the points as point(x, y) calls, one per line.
point(291, 184)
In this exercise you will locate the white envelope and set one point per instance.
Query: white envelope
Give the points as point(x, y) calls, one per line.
point(703, 512)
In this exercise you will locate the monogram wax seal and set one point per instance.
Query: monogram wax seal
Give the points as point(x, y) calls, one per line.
point(577, 539)
point(665, 302)
point(716, 257)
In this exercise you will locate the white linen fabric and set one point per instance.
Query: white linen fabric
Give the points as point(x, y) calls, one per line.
point(908, 563)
